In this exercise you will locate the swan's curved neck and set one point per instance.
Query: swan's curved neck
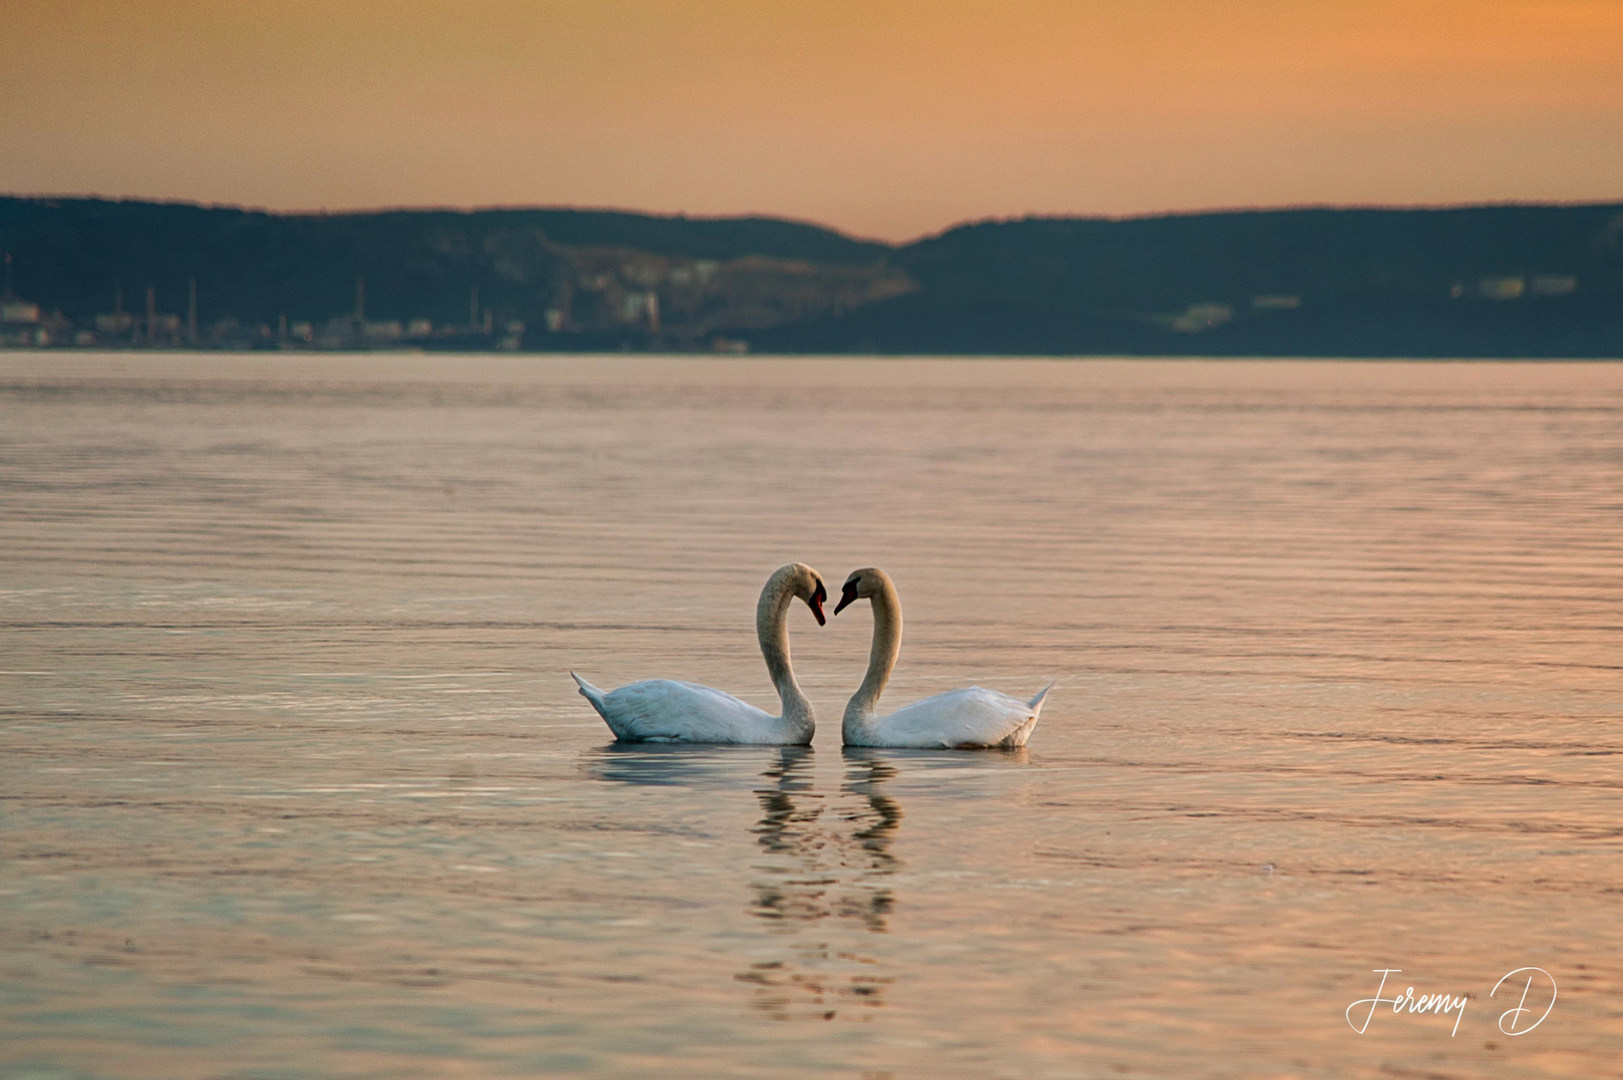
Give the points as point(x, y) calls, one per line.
point(772, 627)
point(887, 646)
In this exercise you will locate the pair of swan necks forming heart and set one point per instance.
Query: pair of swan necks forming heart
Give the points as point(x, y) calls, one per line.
point(664, 710)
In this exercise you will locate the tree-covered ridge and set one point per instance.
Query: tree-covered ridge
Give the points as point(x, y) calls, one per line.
point(1493, 280)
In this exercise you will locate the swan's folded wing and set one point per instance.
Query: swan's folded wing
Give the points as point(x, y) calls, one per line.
point(970, 717)
point(663, 710)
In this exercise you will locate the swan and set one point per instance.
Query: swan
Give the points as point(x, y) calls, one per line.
point(666, 711)
point(959, 719)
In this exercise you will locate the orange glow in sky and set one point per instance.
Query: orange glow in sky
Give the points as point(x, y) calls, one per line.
point(887, 118)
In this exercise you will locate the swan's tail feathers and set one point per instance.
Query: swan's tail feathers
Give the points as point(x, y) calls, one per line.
point(594, 695)
point(1036, 703)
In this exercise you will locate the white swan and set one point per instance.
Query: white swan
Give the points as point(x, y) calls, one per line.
point(662, 710)
point(959, 719)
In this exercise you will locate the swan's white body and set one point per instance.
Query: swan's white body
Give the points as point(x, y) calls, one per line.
point(667, 711)
point(968, 719)
point(664, 710)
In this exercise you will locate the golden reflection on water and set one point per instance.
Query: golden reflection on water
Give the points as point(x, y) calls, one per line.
point(293, 780)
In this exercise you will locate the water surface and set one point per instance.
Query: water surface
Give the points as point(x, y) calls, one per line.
point(294, 782)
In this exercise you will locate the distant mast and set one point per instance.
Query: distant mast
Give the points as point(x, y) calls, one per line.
point(191, 311)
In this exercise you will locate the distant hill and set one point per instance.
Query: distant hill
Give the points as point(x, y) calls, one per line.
point(1477, 281)
point(77, 256)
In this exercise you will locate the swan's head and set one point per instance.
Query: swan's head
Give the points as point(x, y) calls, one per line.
point(808, 585)
point(863, 584)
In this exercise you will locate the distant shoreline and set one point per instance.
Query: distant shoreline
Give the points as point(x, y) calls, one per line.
point(1501, 281)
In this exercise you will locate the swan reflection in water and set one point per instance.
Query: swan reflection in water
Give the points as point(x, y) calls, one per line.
point(823, 875)
point(825, 869)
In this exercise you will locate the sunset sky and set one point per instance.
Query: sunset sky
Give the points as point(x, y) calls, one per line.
point(886, 118)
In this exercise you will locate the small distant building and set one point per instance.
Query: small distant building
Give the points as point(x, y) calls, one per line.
point(1502, 288)
point(1514, 288)
point(339, 333)
point(115, 324)
point(16, 311)
point(20, 321)
point(514, 338)
point(641, 307)
point(1198, 317)
point(21, 325)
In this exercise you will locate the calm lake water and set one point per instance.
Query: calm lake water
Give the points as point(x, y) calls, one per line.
point(294, 782)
